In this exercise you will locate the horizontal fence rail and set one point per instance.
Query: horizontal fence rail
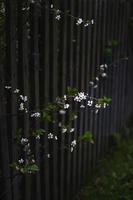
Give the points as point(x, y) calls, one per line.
point(46, 48)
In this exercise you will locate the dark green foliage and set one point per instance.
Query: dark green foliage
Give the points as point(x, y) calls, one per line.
point(87, 137)
point(113, 179)
point(72, 91)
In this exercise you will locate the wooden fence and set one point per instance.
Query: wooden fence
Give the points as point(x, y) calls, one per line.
point(46, 49)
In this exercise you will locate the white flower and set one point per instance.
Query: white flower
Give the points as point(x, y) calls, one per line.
point(79, 21)
point(71, 149)
point(66, 106)
point(37, 114)
point(95, 86)
point(21, 106)
point(33, 161)
point(73, 143)
point(86, 24)
point(96, 111)
point(38, 137)
point(62, 112)
point(98, 106)
point(72, 130)
point(24, 141)
point(8, 87)
point(89, 103)
point(64, 130)
point(105, 105)
point(16, 91)
point(56, 138)
point(65, 97)
point(91, 83)
point(97, 79)
point(104, 75)
point(105, 65)
point(48, 155)
point(57, 17)
point(50, 136)
point(75, 116)
point(21, 161)
point(23, 98)
point(92, 21)
point(82, 106)
point(51, 6)
point(80, 96)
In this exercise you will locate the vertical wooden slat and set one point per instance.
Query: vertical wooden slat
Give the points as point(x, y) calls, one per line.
point(5, 192)
point(93, 74)
point(12, 65)
point(23, 73)
point(54, 89)
point(45, 79)
point(36, 68)
point(64, 64)
point(87, 70)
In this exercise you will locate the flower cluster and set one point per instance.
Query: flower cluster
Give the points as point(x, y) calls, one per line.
point(73, 144)
point(80, 96)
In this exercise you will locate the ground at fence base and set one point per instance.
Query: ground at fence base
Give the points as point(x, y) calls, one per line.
point(113, 178)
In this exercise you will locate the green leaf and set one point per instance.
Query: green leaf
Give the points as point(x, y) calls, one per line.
point(88, 137)
point(115, 43)
point(71, 91)
point(52, 107)
point(72, 116)
point(47, 116)
point(38, 132)
point(103, 100)
point(108, 52)
point(31, 168)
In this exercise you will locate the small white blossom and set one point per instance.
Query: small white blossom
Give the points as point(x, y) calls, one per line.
point(72, 130)
point(91, 83)
point(62, 112)
point(75, 116)
point(16, 91)
point(21, 106)
point(92, 21)
point(98, 106)
point(73, 143)
point(105, 105)
point(66, 106)
point(50, 136)
point(51, 6)
point(64, 130)
point(8, 87)
point(95, 86)
point(80, 96)
point(65, 97)
point(38, 137)
point(21, 161)
point(97, 79)
point(86, 24)
point(104, 75)
point(48, 155)
point(33, 161)
point(56, 138)
point(23, 98)
point(24, 141)
point(71, 149)
point(96, 111)
point(89, 103)
point(82, 106)
point(37, 114)
point(79, 21)
point(58, 17)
